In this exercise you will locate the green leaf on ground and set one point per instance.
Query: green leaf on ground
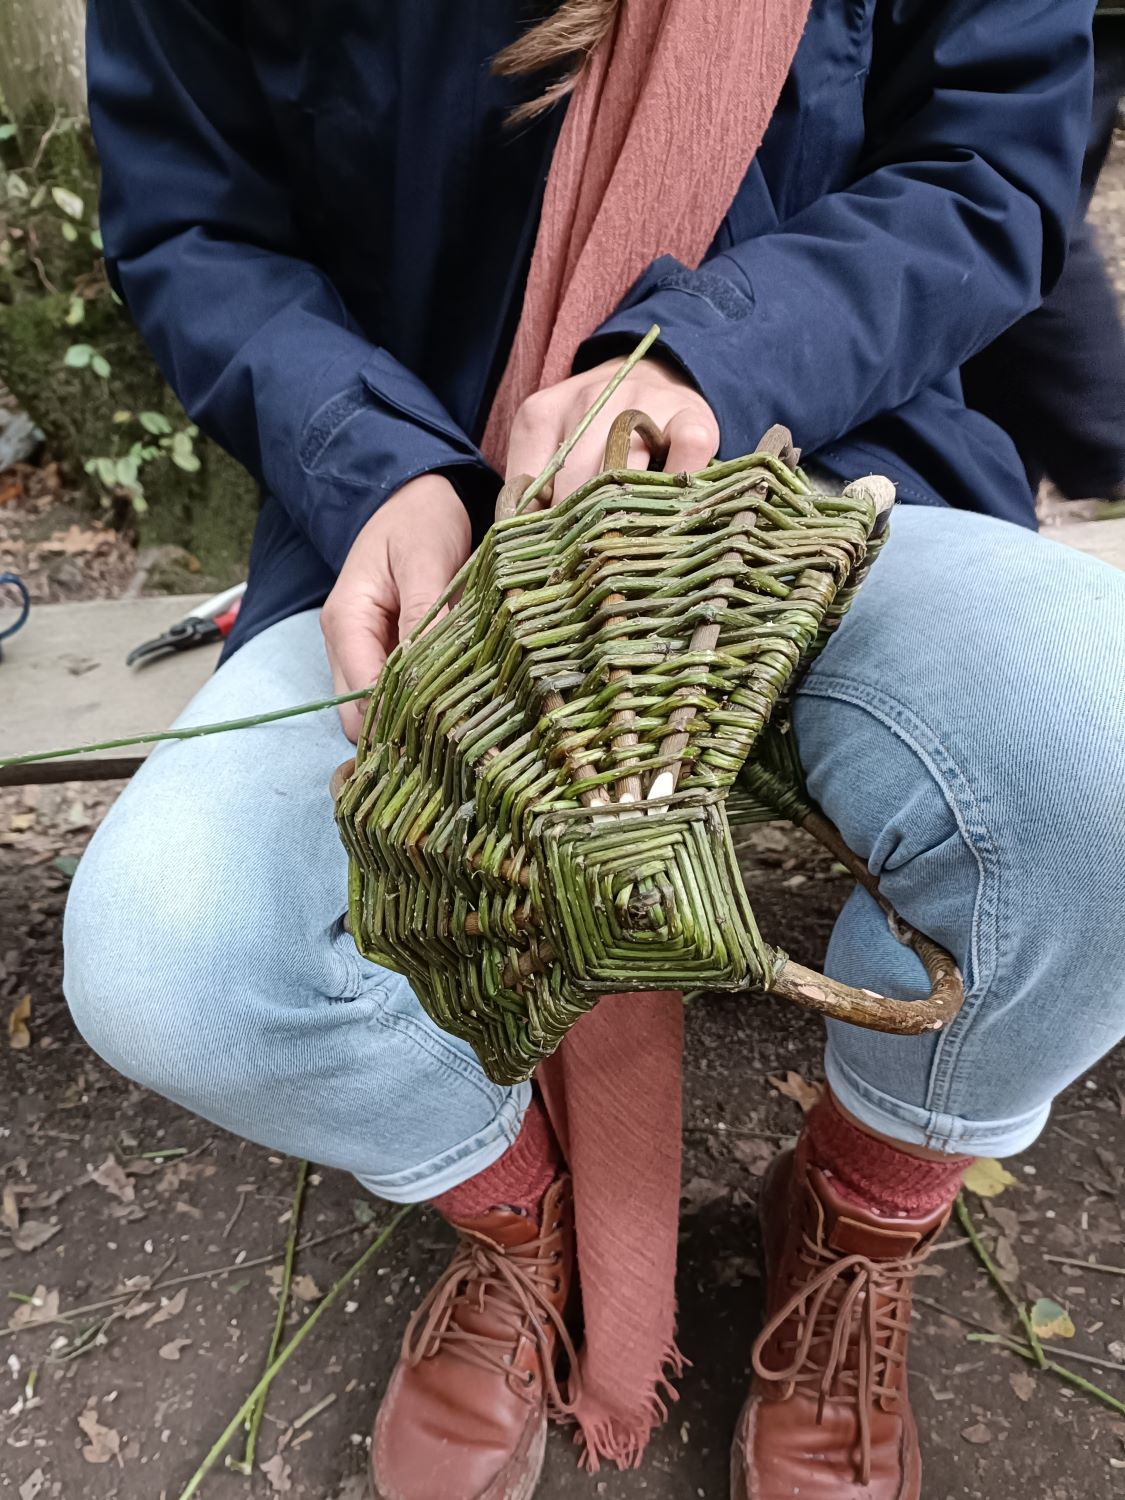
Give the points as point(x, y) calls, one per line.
point(988, 1178)
point(1051, 1321)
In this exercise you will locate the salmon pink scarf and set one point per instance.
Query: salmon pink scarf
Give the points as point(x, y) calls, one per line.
point(664, 122)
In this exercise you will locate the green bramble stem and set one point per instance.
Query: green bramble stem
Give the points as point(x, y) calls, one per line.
point(253, 1423)
point(263, 1385)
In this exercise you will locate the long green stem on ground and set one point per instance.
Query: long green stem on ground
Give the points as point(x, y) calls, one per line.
point(286, 1354)
point(245, 1465)
point(966, 1221)
point(560, 457)
point(1070, 1376)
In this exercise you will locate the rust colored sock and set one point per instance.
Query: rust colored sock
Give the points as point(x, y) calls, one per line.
point(873, 1173)
point(518, 1180)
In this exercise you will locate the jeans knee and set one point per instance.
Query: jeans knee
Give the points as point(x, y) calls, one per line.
point(138, 981)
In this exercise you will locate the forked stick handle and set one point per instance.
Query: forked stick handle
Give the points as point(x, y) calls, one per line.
point(844, 1002)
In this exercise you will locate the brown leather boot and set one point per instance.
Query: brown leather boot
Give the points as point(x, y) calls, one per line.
point(465, 1414)
point(828, 1416)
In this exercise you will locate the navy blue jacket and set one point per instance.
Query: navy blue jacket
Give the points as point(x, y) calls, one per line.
point(322, 224)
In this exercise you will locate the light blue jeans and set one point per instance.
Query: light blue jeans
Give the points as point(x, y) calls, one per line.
point(965, 729)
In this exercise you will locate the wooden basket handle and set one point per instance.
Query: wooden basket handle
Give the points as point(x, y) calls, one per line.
point(844, 1002)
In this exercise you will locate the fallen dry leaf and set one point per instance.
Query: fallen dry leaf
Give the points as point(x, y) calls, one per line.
point(111, 1175)
point(700, 1192)
point(978, 1434)
point(305, 1289)
point(755, 1155)
point(169, 1310)
point(105, 1443)
point(987, 1178)
point(278, 1472)
point(74, 541)
point(176, 1173)
point(1023, 1383)
point(33, 1233)
point(1006, 1257)
point(32, 1485)
point(799, 1089)
point(736, 1269)
point(43, 1308)
point(19, 1036)
point(173, 1348)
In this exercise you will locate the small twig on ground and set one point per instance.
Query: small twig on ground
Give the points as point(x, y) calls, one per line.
point(313, 1412)
point(965, 1220)
point(763, 1135)
point(245, 1465)
point(65, 1319)
point(233, 1220)
point(284, 1356)
point(1085, 1265)
point(1033, 1351)
point(95, 1335)
point(1053, 1349)
point(1070, 1376)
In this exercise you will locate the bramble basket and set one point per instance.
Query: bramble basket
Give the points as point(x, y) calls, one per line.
point(540, 808)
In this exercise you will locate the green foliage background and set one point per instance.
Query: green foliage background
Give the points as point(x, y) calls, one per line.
point(73, 360)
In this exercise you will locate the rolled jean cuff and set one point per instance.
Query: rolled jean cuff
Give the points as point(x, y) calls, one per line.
point(455, 1166)
point(916, 1126)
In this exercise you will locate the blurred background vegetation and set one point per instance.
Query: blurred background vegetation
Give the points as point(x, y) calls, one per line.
point(68, 352)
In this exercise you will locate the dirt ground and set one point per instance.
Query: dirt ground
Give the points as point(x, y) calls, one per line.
point(108, 1190)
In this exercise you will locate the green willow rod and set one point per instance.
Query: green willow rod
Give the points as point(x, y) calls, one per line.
point(253, 720)
point(195, 732)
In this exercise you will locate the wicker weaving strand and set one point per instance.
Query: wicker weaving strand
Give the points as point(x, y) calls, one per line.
point(541, 804)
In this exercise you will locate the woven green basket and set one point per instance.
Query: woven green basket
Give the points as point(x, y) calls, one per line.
point(540, 808)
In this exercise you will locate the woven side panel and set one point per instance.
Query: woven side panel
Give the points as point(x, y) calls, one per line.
point(538, 813)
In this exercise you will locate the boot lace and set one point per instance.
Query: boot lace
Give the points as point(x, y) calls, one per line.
point(846, 1343)
point(514, 1288)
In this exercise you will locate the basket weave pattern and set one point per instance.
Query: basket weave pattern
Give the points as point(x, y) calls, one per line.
point(539, 810)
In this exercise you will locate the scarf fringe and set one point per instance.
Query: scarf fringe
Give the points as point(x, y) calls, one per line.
point(623, 1440)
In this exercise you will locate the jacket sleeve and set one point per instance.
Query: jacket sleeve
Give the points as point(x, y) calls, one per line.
point(202, 244)
point(956, 226)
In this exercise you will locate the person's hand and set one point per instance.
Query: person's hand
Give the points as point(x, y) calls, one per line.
point(402, 560)
point(655, 388)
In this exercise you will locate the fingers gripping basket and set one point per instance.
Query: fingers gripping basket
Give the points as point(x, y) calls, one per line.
point(541, 803)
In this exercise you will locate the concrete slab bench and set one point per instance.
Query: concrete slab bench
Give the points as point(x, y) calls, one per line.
point(63, 679)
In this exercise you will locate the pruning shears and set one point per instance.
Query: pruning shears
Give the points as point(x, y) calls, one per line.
point(210, 621)
point(14, 581)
